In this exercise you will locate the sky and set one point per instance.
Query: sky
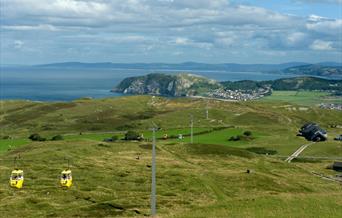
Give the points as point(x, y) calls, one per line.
point(170, 31)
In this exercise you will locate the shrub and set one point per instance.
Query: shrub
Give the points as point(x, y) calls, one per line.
point(132, 135)
point(221, 128)
point(246, 136)
point(6, 137)
point(36, 137)
point(247, 133)
point(57, 138)
point(235, 138)
point(104, 145)
point(115, 138)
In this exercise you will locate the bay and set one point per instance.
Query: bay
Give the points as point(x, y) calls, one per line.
point(63, 84)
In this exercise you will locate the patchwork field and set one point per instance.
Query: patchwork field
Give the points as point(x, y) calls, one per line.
point(308, 98)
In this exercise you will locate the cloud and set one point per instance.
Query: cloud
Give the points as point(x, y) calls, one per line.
point(121, 28)
point(148, 13)
point(194, 3)
point(18, 44)
point(181, 41)
point(295, 38)
point(327, 26)
point(321, 45)
point(46, 27)
point(66, 8)
point(320, 1)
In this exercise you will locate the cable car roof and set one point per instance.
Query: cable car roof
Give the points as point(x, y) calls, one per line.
point(66, 172)
point(17, 171)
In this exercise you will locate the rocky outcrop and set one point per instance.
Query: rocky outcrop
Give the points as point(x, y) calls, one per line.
point(167, 85)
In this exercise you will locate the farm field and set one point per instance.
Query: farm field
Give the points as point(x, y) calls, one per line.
point(204, 179)
point(307, 98)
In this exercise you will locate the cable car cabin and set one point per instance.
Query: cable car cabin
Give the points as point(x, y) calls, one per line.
point(66, 178)
point(17, 178)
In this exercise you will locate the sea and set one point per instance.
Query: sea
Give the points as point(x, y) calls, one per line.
point(67, 84)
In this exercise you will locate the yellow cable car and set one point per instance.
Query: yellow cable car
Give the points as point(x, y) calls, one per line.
point(66, 178)
point(17, 178)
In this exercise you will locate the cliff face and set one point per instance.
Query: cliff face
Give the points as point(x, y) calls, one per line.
point(166, 85)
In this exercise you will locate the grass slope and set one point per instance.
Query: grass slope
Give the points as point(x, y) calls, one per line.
point(274, 123)
point(206, 179)
point(192, 181)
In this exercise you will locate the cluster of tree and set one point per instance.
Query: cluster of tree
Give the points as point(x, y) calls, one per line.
point(129, 136)
point(37, 137)
point(247, 135)
point(132, 135)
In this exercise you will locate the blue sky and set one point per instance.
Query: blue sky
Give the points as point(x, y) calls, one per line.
point(210, 31)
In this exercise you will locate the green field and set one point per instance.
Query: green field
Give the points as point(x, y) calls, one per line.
point(204, 179)
point(308, 98)
point(7, 144)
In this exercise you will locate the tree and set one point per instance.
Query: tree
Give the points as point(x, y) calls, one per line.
point(36, 137)
point(115, 138)
point(247, 133)
point(235, 138)
point(57, 138)
point(6, 137)
point(132, 135)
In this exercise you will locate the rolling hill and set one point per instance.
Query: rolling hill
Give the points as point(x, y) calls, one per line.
point(204, 179)
point(316, 70)
point(166, 85)
point(190, 85)
point(288, 84)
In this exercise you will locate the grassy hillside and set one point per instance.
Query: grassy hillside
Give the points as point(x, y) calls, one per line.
point(271, 121)
point(315, 69)
point(288, 84)
point(192, 181)
point(205, 179)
